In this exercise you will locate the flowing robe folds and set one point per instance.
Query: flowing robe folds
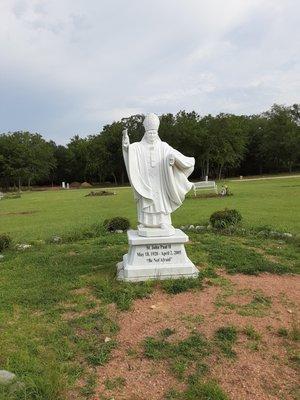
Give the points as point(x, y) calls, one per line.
point(159, 188)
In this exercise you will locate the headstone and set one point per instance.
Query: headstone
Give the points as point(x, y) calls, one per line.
point(68, 186)
point(159, 178)
point(1, 195)
point(63, 185)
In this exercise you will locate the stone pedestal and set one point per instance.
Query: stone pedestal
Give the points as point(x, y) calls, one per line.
point(156, 258)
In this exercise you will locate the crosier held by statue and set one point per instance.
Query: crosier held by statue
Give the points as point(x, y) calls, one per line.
point(159, 177)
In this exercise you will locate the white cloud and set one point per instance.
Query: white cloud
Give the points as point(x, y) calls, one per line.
point(71, 66)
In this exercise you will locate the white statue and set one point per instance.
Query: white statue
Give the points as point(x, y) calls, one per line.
point(159, 176)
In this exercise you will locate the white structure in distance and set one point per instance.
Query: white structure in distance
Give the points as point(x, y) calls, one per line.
point(158, 175)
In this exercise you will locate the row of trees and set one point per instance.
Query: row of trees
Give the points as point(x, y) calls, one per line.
point(222, 145)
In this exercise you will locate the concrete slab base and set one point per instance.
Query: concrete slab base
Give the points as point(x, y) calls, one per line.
point(156, 258)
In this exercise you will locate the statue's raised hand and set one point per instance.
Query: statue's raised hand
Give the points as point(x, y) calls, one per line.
point(125, 139)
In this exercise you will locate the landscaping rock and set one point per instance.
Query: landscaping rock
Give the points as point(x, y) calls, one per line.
point(119, 231)
point(23, 246)
point(1, 257)
point(56, 239)
point(6, 377)
point(287, 234)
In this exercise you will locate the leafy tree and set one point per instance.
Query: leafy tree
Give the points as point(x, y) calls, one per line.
point(77, 157)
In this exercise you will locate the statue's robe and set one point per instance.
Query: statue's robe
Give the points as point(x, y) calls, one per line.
point(159, 188)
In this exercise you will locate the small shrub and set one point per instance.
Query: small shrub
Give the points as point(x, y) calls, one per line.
point(5, 242)
point(225, 218)
point(16, 195)
point(117, 223)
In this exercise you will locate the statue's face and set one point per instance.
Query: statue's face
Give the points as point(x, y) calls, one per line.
point(152, 134)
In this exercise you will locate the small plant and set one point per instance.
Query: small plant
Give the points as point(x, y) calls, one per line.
point(5, 242)
point(251, 333)
point(115, 383)
point(122, 294)
point(117, 223)
point(225, 337)
point(198, 390)
point(167, 332)
point(225, 218)
point(283, 332)
point(174, 286)
point(227, 333)
point(89, 388)
point(209, 390)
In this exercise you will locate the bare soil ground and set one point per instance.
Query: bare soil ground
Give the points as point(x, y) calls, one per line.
point(263, 368)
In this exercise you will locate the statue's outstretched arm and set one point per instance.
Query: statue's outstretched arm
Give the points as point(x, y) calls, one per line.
point(180, 160)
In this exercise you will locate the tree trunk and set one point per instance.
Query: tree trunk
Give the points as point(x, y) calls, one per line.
point(207, 167)
point(220, 171)
point(19, 179)
point(115, 178)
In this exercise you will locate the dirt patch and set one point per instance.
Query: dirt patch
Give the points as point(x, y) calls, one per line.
point(261, 372)
point(267, 256)
point(19, 212)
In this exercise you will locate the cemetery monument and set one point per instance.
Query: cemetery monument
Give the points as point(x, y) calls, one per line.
point(158, 175)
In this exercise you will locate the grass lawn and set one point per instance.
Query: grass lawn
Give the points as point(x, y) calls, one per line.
point(57, 322)
point(267, 202)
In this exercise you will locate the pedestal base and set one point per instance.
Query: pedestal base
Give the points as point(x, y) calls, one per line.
point(156, 258)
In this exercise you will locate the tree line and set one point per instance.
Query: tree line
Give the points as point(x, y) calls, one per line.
point(223, 145)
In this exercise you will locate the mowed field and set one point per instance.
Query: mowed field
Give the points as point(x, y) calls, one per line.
point(39, 215)
point(70, 331)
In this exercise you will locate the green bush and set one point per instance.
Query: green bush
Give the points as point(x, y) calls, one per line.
point(224, 218)
point(5, 242)
point(117, 223)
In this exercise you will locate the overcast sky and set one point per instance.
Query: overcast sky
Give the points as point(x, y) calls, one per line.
point(71, 66)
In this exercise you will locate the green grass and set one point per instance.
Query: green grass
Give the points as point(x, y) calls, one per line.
point(188, 355)
point(225, 337)
point(115, 383)
point(53, 297)
point(270, 202)
point(53, 307)
point(199, 390)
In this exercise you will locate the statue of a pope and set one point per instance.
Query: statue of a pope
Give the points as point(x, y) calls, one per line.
point(159, 177)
